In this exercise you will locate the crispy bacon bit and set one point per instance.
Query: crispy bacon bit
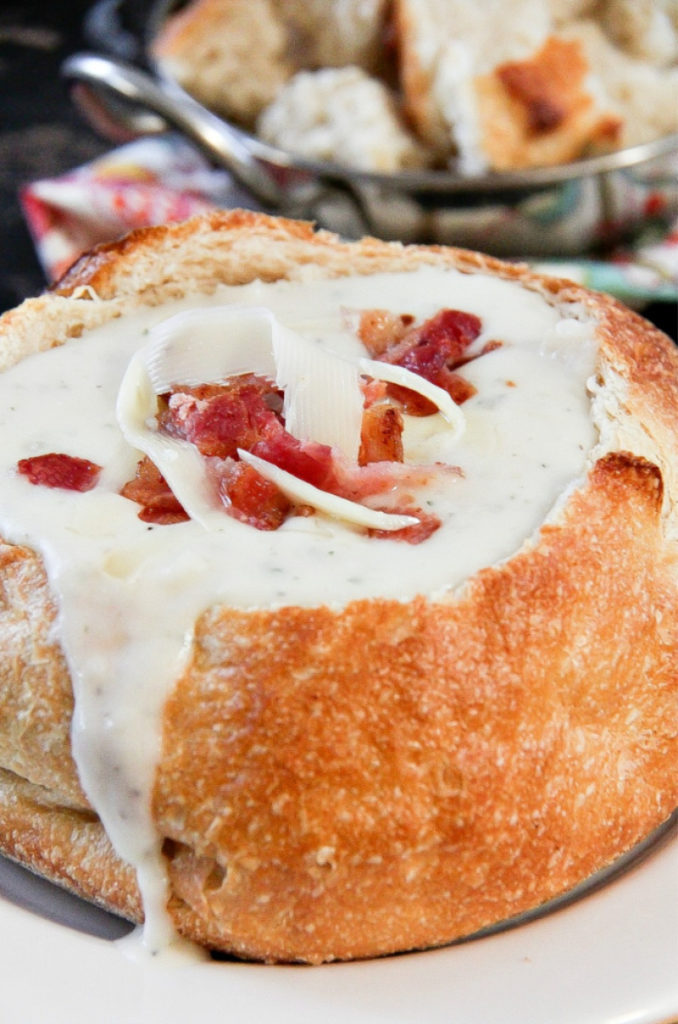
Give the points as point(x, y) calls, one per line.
point(57, 470)
point(381, 434)
point(379, 329)
point(458, 388)
point(250, 497)
point(490, 346)
point(373, 391)
point(307, 460)
point(415, 534)
point(433, 350)
point(150, 490)
point(412, 402)
point(440, 341)
point(219, 419)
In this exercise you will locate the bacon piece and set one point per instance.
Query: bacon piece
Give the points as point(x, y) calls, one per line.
point(380, 329)
point(318, 465)
point(246, 413)
point(458, 388)
point(440, 341)
point(150, 490)
point(307, 460)
point(489, 346)
point(412, 402)
point(58, 470)
point(394, 478)
point(219, 419)
point(433, 350)
point(381, 434)
point(415, 534)
point(251, 498)
point(373, 391)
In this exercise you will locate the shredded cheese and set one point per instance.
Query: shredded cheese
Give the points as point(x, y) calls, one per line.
point(323, 401)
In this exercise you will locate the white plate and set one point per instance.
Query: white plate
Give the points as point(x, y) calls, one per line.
point(609, 958)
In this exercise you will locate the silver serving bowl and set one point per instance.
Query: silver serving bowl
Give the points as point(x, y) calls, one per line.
point(568, 210)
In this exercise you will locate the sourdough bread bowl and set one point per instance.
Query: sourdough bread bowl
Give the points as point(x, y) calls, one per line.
point(350, 763)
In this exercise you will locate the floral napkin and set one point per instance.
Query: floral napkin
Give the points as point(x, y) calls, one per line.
point(160, 179)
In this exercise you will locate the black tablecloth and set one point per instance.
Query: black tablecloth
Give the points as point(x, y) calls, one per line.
point(41, 134)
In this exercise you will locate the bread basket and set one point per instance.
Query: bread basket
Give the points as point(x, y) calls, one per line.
point(567, 210)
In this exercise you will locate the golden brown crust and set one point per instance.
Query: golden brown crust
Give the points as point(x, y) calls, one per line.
point(396, 774)
point(416, 81)
point(538, 112)
point(401, 774)
point(65, 844)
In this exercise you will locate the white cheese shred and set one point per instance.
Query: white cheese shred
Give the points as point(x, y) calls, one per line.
point(323, 402)
point(323, 501)
point(392, 374)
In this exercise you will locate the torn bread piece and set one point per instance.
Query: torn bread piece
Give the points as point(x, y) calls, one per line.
point(336, 33)
point(645, 29)
point(639, 94)
point(321, 114)
point(231, 55)
point(430, 83)
point(499, 91)
point(541, 111)
point(443, 47)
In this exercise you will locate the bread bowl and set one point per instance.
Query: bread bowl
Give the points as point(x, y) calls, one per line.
point(339, 767)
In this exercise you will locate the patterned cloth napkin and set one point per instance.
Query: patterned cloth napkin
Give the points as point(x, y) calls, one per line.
point(160, 179)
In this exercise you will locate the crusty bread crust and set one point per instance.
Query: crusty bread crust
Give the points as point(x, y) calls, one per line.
point(538, 112)
point(397, 774)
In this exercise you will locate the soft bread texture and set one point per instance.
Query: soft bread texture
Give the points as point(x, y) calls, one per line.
point(640, 94)
point(525, 83)
point(647, 29)
point(444, 46)
point(234, 55)
point(341, 110)
point(501, 90)
point(386, 775)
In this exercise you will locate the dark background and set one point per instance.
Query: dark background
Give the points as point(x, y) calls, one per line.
point(42, 134)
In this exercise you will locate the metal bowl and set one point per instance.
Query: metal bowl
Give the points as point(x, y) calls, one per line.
point(581, 207)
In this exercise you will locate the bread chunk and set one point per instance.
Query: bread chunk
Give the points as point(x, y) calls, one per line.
point(498, 89)
point(639, 94)
point(319, 114)
point(231, 55)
